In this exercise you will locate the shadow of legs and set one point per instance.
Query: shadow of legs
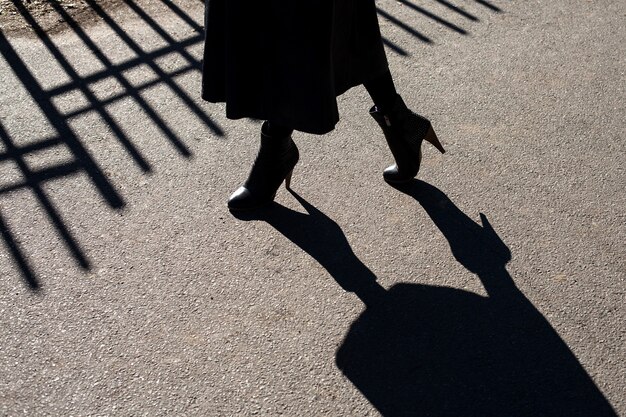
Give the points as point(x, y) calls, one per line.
point(422, 350)
point(437, 351)
point(322, 238)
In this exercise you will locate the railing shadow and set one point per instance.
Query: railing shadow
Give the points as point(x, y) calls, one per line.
point(65, 137)
point(436, 351)
point(435, 18)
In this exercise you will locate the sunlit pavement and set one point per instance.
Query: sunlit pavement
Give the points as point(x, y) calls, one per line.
point(491, 286)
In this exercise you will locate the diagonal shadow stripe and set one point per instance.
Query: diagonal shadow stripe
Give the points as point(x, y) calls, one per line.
point(64, 131)
point(157, 70)
point(184, 16)
point(64, 135)
point(54, 116)
point(20, 259)
point(489, 5)
point(434, 17)
point(126, 65)
point(403, 26)
point(117, 97)
point(31, 147)
point(457, 10)
point(158, 121)
point(34, 182)
point(191, 104)
point(394, 47)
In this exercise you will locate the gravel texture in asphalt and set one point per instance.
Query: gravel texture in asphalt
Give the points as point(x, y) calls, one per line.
point(491, 286)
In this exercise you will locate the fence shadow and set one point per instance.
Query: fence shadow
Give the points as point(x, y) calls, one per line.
point(423, 12)
point(65, 137)
point(436, 351)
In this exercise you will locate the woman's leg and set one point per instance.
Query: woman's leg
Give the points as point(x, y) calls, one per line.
point(275, 130)
point(382, 90)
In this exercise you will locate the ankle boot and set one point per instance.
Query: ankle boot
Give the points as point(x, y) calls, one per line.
point(274, 163)
point(404, 132)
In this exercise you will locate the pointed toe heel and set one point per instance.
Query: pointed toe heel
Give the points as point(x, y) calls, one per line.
point(274, 164)
point(404, 131)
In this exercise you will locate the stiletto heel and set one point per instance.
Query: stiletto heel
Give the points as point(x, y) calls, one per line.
point(274, 164)
point(431, 137)
point(404, 131)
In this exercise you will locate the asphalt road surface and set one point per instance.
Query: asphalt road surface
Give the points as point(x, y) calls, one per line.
point(491, 286)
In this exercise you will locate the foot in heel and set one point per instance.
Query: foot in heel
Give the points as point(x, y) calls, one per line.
point(274, 164)
point(404, 132)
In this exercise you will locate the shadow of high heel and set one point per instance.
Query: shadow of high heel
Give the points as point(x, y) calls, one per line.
point(322, 238)
point(438, 351)
point(477, 247)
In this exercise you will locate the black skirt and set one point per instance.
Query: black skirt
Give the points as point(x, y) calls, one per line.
point(288, 60)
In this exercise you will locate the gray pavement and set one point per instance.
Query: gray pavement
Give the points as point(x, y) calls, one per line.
point(494, 286)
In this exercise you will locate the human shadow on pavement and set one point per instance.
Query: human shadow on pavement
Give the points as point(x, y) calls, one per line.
point(423, 350)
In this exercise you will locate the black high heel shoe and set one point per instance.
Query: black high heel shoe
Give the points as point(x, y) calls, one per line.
point(404, 132)
point(274, 163)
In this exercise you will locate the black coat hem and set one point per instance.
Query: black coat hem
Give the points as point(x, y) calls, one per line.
point(235, 114)
point(287, 61)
